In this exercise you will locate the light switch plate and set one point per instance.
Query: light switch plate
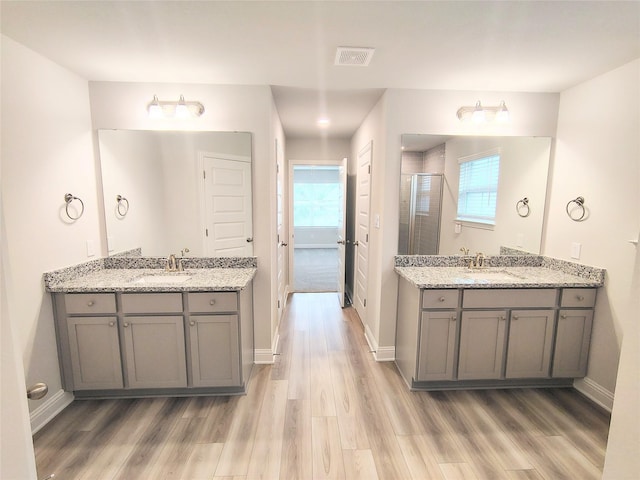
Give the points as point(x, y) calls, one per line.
point(575, 250)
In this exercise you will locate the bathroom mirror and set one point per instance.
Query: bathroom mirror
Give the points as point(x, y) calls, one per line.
point(177, 192)
point(430, 172)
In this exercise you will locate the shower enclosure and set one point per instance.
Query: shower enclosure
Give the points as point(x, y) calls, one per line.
point(420, 211)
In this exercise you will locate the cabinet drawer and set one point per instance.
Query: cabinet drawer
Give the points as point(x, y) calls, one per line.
point(207, 302)
point(90, 303)
point(509, 298)
point(439, 298)
point(151, 302)
point(578, 297)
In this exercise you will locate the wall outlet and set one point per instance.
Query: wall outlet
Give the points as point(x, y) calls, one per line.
point(91, 249)
point(519, 240)
point(575, 250)
point(377, 221)
point(110, 243)
point(457, 228)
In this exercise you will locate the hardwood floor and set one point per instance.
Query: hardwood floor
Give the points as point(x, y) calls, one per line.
point(324, 410)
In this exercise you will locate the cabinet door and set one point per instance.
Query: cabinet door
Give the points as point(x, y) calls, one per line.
point(482, 345)
point(529, 343)
point(572, 343)
point(215, 350)
point(95, 353)
point(155, 352)
point(437, 345)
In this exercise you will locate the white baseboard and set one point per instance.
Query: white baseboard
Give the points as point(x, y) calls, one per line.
point(49, 409)
point(595, 392)
point(266, 356)
point(380, 354)
point(385, 354)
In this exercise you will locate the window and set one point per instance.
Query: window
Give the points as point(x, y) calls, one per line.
point(478, 187)
point(317, 194)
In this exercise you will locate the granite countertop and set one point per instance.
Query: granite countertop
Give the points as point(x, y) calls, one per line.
point(138, 280)
point(493, 277)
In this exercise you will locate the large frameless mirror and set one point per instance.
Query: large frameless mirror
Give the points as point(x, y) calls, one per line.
point(432, 216)
point(177, 192)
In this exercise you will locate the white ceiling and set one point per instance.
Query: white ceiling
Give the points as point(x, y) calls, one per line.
point(529, 46)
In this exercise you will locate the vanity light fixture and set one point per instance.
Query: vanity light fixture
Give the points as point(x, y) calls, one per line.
point(173, 109)
point(482, 114)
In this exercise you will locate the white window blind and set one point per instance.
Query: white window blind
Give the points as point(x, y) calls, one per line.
point(478, 187)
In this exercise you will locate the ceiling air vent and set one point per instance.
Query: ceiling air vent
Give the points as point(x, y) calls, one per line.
point(354, 56)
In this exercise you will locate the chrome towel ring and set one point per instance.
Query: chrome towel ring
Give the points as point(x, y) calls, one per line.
point(523, 208)
point(577, 209)
point(122, 206)
point(69, 198)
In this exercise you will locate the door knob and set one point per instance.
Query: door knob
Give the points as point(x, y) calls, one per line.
point(341, 242)
point(356, 243)
point(37, 391)
point(282, 244)
point(250, 239)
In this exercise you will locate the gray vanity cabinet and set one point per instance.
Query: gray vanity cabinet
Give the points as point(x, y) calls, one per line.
point(529, 343)
point(438, 331)
point(482, 344)
point(90, 342)
point(214, 341)
point(147, 343)
point(154, 352)
point(573, 335)
point(95, 352)
point(486, 337)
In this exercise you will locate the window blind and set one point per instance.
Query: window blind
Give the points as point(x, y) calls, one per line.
point(478, 188)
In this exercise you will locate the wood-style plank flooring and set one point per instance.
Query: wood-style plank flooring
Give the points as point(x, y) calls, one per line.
point(326, 409)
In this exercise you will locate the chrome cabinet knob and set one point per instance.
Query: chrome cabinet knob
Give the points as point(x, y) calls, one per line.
point(125, 325)
point(441, 299)
point(111, 324)
point(212, 302)
point(90, 303)
point(192, 323)
point(580, 298)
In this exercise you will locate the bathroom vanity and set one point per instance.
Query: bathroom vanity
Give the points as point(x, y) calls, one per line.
point(130, 332)
point(494, 327)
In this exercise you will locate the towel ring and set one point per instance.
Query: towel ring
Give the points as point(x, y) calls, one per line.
point(523, 208)
point(123, 205)
point(69, 198)
point(579, 201)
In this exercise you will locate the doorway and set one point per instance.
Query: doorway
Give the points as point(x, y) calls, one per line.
point(317, 216)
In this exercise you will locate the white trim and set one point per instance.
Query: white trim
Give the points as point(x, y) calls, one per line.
point(371, 340)
point(380, 354)
point(49, 409)
point(595, 392)
point(385, 354)
point(266, 356)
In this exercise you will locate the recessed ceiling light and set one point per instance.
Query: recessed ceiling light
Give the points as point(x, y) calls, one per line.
point(323, 122)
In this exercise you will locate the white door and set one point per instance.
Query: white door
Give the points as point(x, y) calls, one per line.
point(342, 231)
point(361, 243)
point(281, 231)
point(227, 207)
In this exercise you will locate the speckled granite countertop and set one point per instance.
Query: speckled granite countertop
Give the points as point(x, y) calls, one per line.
point(493, 277)
point(138, 280)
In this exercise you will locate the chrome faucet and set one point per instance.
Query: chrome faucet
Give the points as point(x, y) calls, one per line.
point(464, 250)
point(171, 264)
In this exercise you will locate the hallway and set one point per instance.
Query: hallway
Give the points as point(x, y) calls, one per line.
point(326, 409)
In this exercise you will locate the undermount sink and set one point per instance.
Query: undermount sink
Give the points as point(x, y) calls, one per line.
point(490, 274)
point(162, 278)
